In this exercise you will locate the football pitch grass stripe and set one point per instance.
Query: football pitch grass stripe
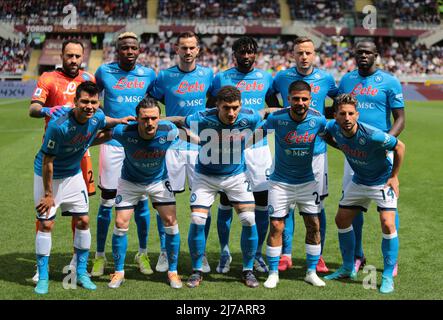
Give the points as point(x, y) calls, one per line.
point(421, 220)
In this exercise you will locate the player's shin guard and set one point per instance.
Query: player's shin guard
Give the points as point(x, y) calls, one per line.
point(262, 221)
point(119, 247)
point(104, 217)
point(346, 238)
point(249, 239)
point(273, 257)
point(389, 247)
point(196, 239)
point(172, 246)
point(358, 230)
point(322, 218)
point(82, 244)
point(142, 220)
point(161, 233)
point(43, 244)
point(224, 220)
point(288, 232)
point(312, 256)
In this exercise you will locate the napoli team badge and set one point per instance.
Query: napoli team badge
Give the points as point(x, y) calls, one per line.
point(270, 209)
point(259, 74)
point(317, 76)
point(118, 199)
point(200, 73)
point(312, 123)
point(193, 197)
point(362, 141)
point(94, 121)
point(378, 78)
point(140, 72)
point(162, 140)
point(86, 77)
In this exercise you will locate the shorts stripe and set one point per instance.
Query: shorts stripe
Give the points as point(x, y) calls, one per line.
point(159, 204)
point(69, 213)
point(242, 202)
point(385, 209)
point(199, 207)
point(44, 219)
point(354, 207)
point(124, 208)
point(309, 214)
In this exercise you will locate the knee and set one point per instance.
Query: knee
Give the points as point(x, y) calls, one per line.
point(169, 221)
point(388, 227)
point(247, 219)
point(82, 223)
point(277, 226)
point(121, 223)
point(340, 222)
point(45, 225)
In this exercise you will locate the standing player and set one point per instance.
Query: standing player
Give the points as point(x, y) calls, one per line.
point(375, 178)
point(293, 180)
point(124, 83)
point(183, 89)
point(144, 173)
point(322, 85)
point(378, 94)
point(57, 88)
point(58, 181)
point(223, 134)
point(254, 85)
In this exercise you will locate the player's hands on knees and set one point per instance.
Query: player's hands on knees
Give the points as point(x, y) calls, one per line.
point(45, 205)
point(394, 184)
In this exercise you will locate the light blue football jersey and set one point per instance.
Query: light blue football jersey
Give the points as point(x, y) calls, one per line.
point(322, 85)
point(376, 94)
point(366, 152)
point(68, 140)
point(254, 86)
point(144, 161)
point(294, 145)
point(123, 90)
point(183, 93)
point(222, 146)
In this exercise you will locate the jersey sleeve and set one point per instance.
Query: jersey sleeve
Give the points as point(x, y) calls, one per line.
point(269, 123)
point(275, 87)
point(395, 95)
point(42, 90)
point(102, 118)
point(152, 78)
point(156, 89)
point(99, 78)
point(333, 89)
point(52, 141)
point(271, 83)
point(329, 127)
point(173, 134)
point(117, 133)
point(216, 85)
point(384, 140)
point(192, 118)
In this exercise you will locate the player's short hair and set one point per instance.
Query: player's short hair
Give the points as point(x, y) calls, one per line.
point(301, 40)
point(74, 41)
point(345, 98)
point(245, 44)
point(299, 85)
point(89, 87)
point(186, 35)
point(126, 35)
point(228, 94)
point(370, 42)
point(147, 103)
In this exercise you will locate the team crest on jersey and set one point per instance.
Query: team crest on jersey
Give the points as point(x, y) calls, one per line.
point(378, 78)
point(193, 197)
point(140, 72)
point(270, 209)
point(387, 139)
point(243, 123)
point(118, 199)
point(361, 141)
point(94, 121)
point(38, 92)
point(86, 77)
point(51, 144)
point(317, 76)
point(200, 73)
point(259, 75)
point(162, 140)
point(312, 123)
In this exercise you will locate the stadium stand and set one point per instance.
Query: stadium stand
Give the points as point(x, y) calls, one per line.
point(13, 56)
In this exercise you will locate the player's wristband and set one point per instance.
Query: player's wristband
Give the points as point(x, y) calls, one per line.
point(45, 112)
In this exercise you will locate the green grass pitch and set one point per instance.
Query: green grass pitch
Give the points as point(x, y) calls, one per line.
point(421, 219)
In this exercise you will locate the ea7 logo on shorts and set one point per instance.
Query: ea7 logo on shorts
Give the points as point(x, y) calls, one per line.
point(51, 144)
point(118, 199)
point(193, 197)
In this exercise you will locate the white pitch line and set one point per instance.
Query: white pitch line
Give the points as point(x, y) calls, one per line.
point(13, 101)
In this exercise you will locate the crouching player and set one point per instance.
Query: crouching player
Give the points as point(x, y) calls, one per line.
point(375, 178)
point(58, 180)
point(144, 174)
